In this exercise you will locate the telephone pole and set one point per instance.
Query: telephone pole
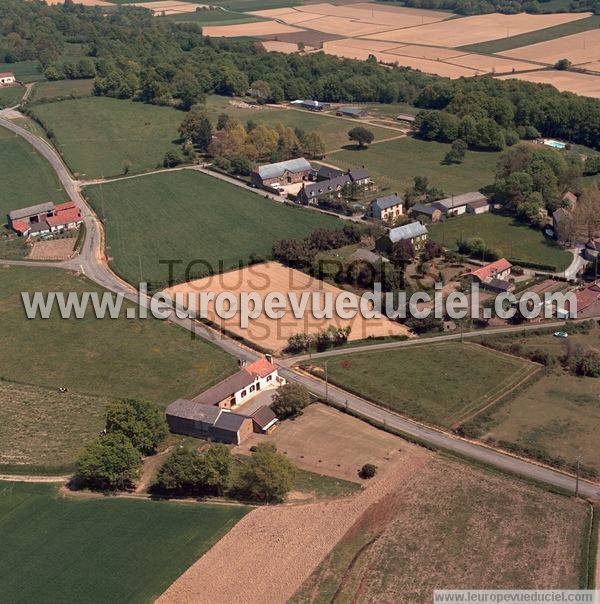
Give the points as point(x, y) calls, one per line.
point(326, 384)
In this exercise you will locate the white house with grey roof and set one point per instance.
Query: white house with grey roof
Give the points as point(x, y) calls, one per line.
point(282, 173)
point(387, 208)
point(414, 232)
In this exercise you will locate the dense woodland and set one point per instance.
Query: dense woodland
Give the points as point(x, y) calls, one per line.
point(479, 7)
point(133, 55)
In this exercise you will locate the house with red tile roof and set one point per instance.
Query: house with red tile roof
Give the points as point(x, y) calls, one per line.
point(500, 269)
point(45, 218)
point(7, 78)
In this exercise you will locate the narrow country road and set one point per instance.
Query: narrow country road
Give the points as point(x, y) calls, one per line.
point(93, 264)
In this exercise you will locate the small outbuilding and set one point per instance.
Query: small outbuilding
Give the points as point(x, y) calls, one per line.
point(355, 112)
point(426, 212)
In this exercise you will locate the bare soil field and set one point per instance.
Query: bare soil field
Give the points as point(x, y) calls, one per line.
point(570, 81)
point(55, 249)
point(593, 66)
point(262, 28)
point(578, 48)
point(327, 441)
point(309, 37)
point(426, 52)
point(480, 28)
point(273, 334)
point(490, 531)
point(278, 46)
point(345, 27)
point(374, 45)
point(169, 7)
point(273, 549)
point(490, 64)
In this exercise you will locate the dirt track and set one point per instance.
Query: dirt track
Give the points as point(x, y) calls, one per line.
point(272, 550)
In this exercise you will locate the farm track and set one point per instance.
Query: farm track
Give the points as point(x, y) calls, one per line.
point(92, 262)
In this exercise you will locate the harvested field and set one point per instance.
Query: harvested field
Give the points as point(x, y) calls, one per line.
point(262, 28)
point(480, 28)
point(309, 37)
point(425, 52)
point(569, 81)
point(489, 64)
point(593, 66)
point(491, 531)
point(270, 333)
point(277, 46)
point(578, 48)
point(344, 27)
point(270, 552)
point(168, 7)
point(84, 2)
point(54, 249)
point(328, 441)
point(373, 45)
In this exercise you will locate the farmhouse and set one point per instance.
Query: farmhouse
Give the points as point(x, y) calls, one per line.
point(327, 173)
point(456, 205)
point(588, 300)
point(386, 208)
point(414, 232)
point(494, 275)
point(351, 112)
point(310, 105)
point(7, 78)
point(312, 192)
point(426, 212)
point(44, 218)
point(211, 414)
point(280, 173)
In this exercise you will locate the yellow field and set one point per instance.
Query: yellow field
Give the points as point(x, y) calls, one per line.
point(262, 28)
point(578, 48)
point(276, 46)
point(579, 83)
point(273, 334)
point(168, 7)
point(489, 64)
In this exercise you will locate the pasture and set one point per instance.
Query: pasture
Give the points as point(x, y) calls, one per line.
point(213, 17)
point(31, 179)
point(189, 216)
point(492, 531)
point(98, 136)
point(511, 238)
point(11, 96)
point(44, 91)
point(394, 164)
point(439, 384)
point(25, 71)
point(273, 334)
point(68, 548)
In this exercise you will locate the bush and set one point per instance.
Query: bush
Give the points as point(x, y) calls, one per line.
point(109, 463)
point(172, 158)
point(290, 400)
point(368, 471)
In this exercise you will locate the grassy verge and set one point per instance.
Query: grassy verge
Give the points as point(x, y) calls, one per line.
point(11, 96)
point(49, 91)
point(324, 486)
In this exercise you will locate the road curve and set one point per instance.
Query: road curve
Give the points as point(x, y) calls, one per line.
point(92, 263)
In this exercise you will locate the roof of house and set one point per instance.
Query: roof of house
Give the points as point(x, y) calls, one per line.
point(407, 231)
point(323, 187)
point(560, 215)
point(405, 117)
point(65, 217)
point(38, 227)
point(425, 208)
point(457, 201)
point(264, 416)
point(490, 270)
point(383, 203)
point(359, 174)
point(67, 205)
point(478, 203)
point(351, 110)
point(499, 284)
point(327, 172)
point(40, 208)
point(570, 197)
point(588, 296)
point(367, 256)
point(225, 388)
point(6, 74)
point(280, 168)
point(194, 411)
point(230, 421)
point(21, 226)
point(260, 368)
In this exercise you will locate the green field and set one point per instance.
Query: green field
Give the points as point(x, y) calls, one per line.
point(513, 239)
point(333, 130)
point(439, 384)
point(394, 164)
point(68, 549)
point(250, 5)
point(25, 71)
point(96, 135)
point(213, 17)
point(533, 37)
point(31, 178)
point(185, 216)
point(11, 96)
point(43, 91)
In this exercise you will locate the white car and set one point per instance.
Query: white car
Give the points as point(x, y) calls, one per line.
point(561, 334)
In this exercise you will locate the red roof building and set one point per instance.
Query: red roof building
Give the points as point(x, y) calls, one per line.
point(70, 214)
point(588, 296)
point(261, 368)
point(495, 270)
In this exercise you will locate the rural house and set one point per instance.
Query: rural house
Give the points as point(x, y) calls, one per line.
point(426, 213)
point(212, 413)
point(386, 208)
point(7, 78)
point(310, 105)
point(561, 220)
point(310, 193)
point(415, 232)
point(494, 275)
point(327, 173)
point(281, 173)
point(351, 112)
point(456, 205)
point(405, 117)
point(45, 218)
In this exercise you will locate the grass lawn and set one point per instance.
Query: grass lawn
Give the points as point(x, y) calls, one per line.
point(213, 17)
point(324, 486)
point(558, 417)
point(492, 531)
point(513, 239)
point(61, 88)
point(540, 35)
point(394, 164)
point(25, 71)
point(95, 359)
point(11, 96)
point(31, 179)
point(333, 130)
point(191, 216)
point(100, 549)
point(96, 135)
point(439, 384)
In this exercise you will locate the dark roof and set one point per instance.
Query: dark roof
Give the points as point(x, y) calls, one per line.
point(40, 208)
point(359, 174)
point(230, 421)
point(424, 208)
point(499, 284)
point(561, 214)
point(194, 411)
point(405, 117)
point(459, 200)
point(224, 389)
point(478, 203)
point(264, 416)
point(351, 110)
point(323, 187)
point(387, 202)
point(327, 172)
point(367, 256)
point(38, 227)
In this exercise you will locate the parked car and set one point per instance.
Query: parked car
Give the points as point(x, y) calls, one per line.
point(561, 334)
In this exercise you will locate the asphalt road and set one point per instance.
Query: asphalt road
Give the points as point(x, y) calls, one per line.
point(92, 263)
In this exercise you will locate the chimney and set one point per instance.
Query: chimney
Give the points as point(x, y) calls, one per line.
point(269, 358)
point(242, 362)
